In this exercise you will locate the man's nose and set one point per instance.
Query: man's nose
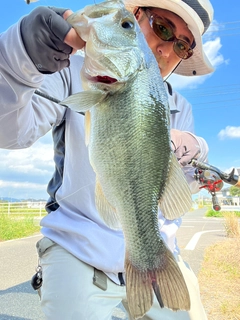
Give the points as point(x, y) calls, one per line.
point(165, 48)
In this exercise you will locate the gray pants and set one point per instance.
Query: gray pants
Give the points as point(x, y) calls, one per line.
point(68, 291)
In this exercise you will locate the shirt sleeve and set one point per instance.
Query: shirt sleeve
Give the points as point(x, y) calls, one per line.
point(182, 119)
point(24, 116)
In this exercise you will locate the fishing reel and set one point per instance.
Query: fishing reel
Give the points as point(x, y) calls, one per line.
point(212, 179)
point(211, 182)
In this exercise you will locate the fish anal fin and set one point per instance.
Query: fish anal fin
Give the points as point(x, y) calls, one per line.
point(83, 101)
point(176, 199)
point(105, 209)
point(166, 282)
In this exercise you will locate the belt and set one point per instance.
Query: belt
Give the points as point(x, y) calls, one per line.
point(120, 277)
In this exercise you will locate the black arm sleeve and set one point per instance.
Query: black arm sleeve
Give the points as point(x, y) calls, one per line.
point(43, 32)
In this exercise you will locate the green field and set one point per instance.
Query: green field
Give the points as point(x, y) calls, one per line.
point(18, 220)
point(221, 214)
point(17, 226)
point(12, 208)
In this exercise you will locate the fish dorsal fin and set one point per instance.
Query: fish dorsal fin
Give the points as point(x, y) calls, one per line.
point(105, 209)
point(87, 126)
point(177, 198)
point(83, 101)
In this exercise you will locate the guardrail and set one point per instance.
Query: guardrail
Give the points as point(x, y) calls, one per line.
point(26, 207)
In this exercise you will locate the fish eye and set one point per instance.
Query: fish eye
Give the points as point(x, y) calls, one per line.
point(127, 24)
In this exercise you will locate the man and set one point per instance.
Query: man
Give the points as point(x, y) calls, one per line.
point(77, 244)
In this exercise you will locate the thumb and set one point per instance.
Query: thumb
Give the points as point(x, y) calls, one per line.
point(72, 38)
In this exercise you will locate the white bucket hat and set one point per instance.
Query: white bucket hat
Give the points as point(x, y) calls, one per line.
point(198, 15)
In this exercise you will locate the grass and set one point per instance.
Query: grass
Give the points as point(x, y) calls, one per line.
point(219, 280)
point(232, 224)
point(219, 277)
point(220, 214)
point(231, 221)
point(12, 227)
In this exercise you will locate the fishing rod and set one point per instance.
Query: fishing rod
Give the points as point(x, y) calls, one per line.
point(46, 96)
point(212, 179)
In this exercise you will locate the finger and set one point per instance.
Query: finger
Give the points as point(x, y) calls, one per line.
point(73, 40)
point(67, 13)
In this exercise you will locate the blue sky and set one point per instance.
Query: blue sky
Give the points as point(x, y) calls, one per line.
point(215, 100)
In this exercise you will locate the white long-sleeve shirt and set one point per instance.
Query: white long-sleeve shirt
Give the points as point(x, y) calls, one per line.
point(73, 221)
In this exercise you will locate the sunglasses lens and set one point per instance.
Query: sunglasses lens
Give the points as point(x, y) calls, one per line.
point(182, 49)
point(162, 30)
point(165, 32)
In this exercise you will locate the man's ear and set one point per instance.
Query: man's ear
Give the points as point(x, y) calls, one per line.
point(137, 12)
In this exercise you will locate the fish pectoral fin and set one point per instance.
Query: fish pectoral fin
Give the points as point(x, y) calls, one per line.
point(176, 199)
point(166, 282)
point(83, 101)
point(106, 211)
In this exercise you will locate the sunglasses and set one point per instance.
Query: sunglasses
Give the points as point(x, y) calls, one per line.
point(165, 32)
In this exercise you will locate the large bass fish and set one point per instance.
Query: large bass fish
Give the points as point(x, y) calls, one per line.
point(128, 133)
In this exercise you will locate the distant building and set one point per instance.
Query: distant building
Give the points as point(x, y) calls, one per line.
point(225, 198)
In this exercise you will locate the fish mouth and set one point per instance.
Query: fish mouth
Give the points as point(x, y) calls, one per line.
point(104, 79)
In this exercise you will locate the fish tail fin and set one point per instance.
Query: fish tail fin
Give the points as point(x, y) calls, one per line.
point(171, 284)
point(139, 291)
point(166, 282)
point(157, 292)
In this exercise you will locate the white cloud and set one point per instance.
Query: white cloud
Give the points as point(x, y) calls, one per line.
point(25, 173)
point(22, 190)
point(212, 46)
point(212, 30)
point(229, 132)
point(38, 159)
point(212, 50)
point(23, 185)
point(181, 82)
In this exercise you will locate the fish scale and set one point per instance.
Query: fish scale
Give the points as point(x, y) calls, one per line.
point(128, 134)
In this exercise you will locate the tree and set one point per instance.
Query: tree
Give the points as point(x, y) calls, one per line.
point(234, 191)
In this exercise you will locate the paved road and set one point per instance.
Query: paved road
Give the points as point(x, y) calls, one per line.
point(18, 260)
point(196, 233)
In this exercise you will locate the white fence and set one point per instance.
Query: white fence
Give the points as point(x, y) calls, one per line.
point(26, 207)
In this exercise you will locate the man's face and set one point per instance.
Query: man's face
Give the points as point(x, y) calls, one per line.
point(163, 50)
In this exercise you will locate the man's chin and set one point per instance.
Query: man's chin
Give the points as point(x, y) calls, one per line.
point(164, 74)
point(163, 71)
